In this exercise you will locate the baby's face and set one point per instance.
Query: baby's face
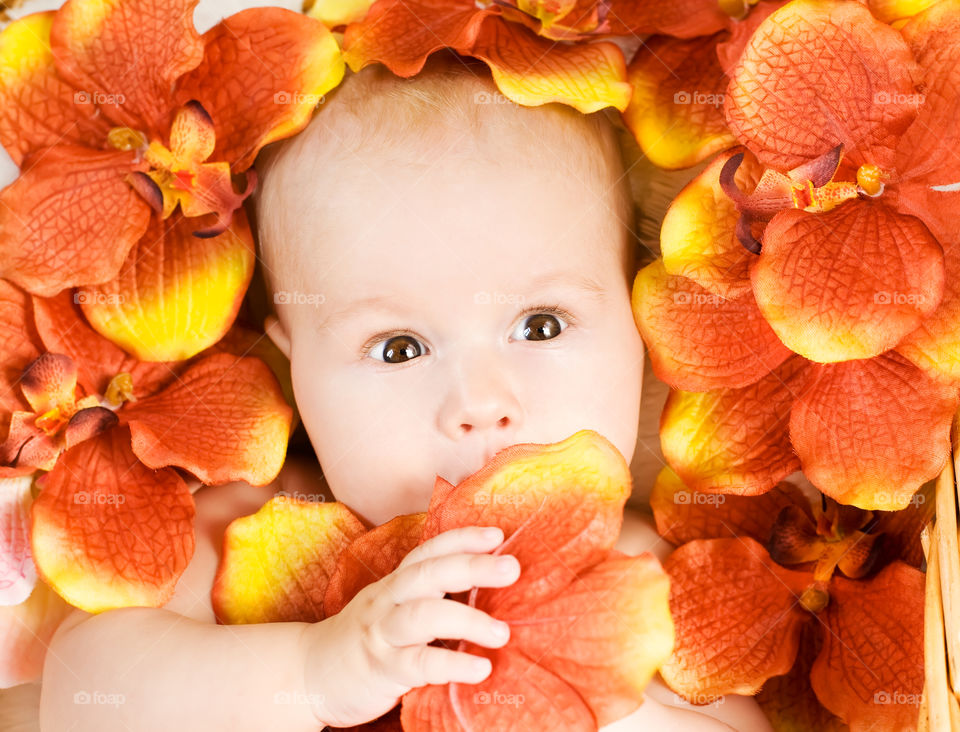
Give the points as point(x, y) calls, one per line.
point(501, 315)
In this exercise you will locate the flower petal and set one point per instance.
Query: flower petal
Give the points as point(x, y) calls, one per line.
point(532, 71)
point(518, 694)
point(107, 531)
point(778, 106)
point(895, 12)
point(223, 420)
point(870, 432)
point(927, 150)
point(19, 345)
point(934, 346)
point(371, 556)
point(63, 329)
point(25, 634)
point(849, 283)
point(605, 635)
point(699, 340)
point(902, 529)
point(336, 13)
point(17, 572)
point(523, 489)
point(276, 562)
point(53, 229)
point(788, 700)
point(37, 108)
point(50, 382)
point(698, 235)
point(94, 42)
point(401, 35)
point(870, 671)
point(737, 618)
point(734, 441)
point(676, 112)
point(251, 108)
point(176, 293)
point(683, 516)
point(681, 19)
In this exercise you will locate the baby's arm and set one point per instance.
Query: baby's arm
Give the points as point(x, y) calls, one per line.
point(174, 667)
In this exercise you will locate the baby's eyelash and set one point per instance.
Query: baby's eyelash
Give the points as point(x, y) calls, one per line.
point(551, 309)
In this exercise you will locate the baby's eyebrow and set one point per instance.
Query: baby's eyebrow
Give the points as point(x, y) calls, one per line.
point(563, 278)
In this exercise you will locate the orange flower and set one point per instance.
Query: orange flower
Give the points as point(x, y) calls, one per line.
point(833, 345)
point(101, 142)
point(679, 79)
point(515, 39)
point(589, 625)
point(850, 641)
point(113, 522)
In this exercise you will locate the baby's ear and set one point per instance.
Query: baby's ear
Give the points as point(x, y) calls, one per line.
point(278, 334)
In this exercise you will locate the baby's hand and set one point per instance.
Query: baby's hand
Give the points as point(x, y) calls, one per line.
point(363, 659)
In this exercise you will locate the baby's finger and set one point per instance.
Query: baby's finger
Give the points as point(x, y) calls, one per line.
point(421, 665)
point(474, 539)
point(452, 573)
point(424, 620)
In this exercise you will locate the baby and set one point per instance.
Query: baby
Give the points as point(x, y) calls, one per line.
point(452, 275)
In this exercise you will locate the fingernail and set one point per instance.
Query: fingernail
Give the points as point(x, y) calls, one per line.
point(501, 630)
point(492, 533)
point(506, 565)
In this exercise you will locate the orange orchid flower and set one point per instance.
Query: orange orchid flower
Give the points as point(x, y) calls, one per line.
point(112, 524)
point(822, 611)
point(594, 619)
point(836, 347)
point(516, 39)
point(141, 114)
point(680, 75)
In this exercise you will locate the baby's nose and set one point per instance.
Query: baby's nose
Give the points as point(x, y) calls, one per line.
point(480, 397)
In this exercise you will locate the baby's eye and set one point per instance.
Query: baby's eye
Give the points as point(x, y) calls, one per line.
point(542, 323)
point(396, 349)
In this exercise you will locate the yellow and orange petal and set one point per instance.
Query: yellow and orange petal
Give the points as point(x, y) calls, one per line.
point(737, 618)
point(109, 532)
point(698, 234)
point(223, 420)
point(150, 308)
point(849, 283)
point(699, 340)
point(371, 556)
point(251, 108)
point(676, 111)
point(523, 489)
point(870, 670)
point(276, 562)
point(532, 71)
point(898, 12)
point(734, 441)
point(37, 108)
point(778, 106)
point(683, 515)
point(54, 232)
point(616, 630)
point(870, 432)
point(401, 35)
point(335, 13)
point(94, 43)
